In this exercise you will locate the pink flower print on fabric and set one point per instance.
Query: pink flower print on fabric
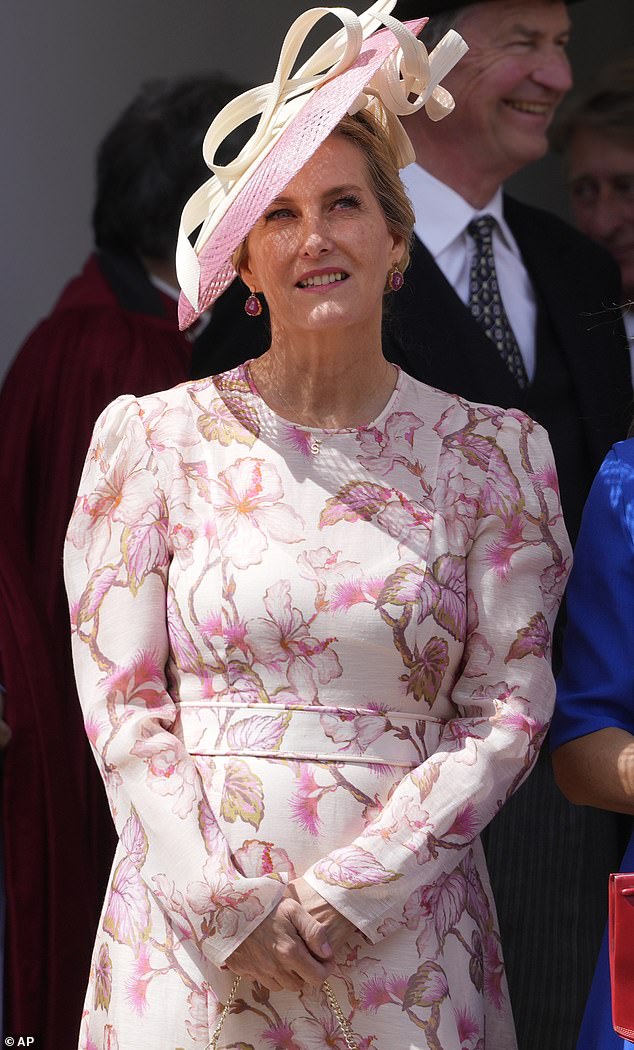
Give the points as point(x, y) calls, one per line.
point(300, 440)
point(405, 812)
point(110, 1038)
point(242, 794)
point(493, 969)
point(326, 569)
point(221, 422)
point(138, 983)
point(467, 1027)
point(259, 732)
point(283, 642)
point(552, 583)
point(83, 611)
point(248, 503)
point(134, 840)
point(197, 1021)
point(103, 978)
point(166, 892)
point(403, 519)
point(385, 990)
point(144, 545)
point(534, 639)
point(427, 988)
point(356, 591)
point(139, 683)
point(304, 802)
point(186, 655)
point(439, 591)
point(86, 1042)
point(120, 496)
point(382, 449)
point(353, 867)
point(459, 498)
point(257, 858)
point(499, 556)
point(167, 430)
point(127, 915)
point(281, 1036)
point(354, 732)
point(170, 771)
point(224, 907)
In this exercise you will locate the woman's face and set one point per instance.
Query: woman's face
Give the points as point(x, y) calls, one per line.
point(322, 250)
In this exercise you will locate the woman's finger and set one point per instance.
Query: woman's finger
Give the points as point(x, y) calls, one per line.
point(311, 931)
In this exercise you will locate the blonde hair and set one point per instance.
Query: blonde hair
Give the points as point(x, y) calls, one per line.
point(373, 139)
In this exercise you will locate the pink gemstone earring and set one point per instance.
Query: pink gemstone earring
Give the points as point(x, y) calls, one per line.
point(253, 306)
point(395, 279)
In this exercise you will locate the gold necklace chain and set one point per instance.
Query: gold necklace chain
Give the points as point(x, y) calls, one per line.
point(277, 392)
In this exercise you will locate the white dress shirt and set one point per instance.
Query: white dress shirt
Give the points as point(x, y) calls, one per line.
point(442, 218)
point(628, 320)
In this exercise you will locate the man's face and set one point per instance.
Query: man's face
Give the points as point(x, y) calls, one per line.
point(510, 82)
point(601, 183)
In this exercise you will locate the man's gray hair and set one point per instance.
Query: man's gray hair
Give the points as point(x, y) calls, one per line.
point(440, 24)
point(605, 106)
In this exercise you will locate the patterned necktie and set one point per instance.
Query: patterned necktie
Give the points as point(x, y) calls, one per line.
point(485, 301)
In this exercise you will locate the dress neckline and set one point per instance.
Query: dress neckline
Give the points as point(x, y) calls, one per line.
point(266, 412)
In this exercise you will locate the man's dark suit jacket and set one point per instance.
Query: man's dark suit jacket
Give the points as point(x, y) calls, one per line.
point(549, 860)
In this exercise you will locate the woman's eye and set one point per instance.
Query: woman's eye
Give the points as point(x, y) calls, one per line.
point(349, 201)
point(278, 213)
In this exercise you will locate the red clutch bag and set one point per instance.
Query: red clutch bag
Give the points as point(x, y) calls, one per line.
point(621, 944)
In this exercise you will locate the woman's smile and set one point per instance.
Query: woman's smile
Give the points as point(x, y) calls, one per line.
point(316, 280)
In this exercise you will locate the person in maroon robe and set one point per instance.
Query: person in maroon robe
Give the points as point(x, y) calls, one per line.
point(114, 330)
point(49, 898)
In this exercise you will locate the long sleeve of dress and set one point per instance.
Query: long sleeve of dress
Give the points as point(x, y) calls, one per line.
point(515, 571)
point(116, 562)
point(596, 686)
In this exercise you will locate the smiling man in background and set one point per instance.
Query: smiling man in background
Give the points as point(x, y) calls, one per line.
point(500, 305)
point(596, 135)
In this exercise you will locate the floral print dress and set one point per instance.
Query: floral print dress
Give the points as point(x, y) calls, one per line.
point(317, 653)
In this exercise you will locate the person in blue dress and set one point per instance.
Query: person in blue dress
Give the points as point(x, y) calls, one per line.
point(592, 734)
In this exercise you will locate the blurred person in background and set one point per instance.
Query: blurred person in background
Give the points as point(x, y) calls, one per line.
point(48, 896)
point(113, 329)
point(592, 734)
point(596, 136)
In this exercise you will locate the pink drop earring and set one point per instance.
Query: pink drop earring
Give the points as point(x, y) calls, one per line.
point(395, 279)
point(253, 306)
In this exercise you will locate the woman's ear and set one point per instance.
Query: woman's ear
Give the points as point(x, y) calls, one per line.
point(246, 274)
point(398, 249)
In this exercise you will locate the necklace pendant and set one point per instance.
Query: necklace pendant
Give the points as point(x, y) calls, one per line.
point(315, 446)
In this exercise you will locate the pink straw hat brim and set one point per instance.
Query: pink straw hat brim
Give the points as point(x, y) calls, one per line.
point(296, 145)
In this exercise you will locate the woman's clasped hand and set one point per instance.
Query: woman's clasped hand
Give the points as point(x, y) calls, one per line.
point(297, 943)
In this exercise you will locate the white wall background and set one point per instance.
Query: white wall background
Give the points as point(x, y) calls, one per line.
point(67, 68)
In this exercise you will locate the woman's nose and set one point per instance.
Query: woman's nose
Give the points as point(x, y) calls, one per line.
point(315, 237)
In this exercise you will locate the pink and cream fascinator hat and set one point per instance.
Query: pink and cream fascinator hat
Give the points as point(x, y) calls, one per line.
point(388, 72)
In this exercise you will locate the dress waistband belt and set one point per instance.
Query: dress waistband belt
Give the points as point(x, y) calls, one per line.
point(363, 735)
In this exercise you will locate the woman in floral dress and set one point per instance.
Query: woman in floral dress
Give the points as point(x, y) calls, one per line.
point(311, 604)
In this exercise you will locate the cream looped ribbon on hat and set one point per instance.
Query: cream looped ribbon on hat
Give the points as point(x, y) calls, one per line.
point(408, 71)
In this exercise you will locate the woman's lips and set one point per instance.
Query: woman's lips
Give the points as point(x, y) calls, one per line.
point(323, 279)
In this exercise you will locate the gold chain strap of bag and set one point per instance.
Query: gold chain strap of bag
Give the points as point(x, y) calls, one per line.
point(333, 1002)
